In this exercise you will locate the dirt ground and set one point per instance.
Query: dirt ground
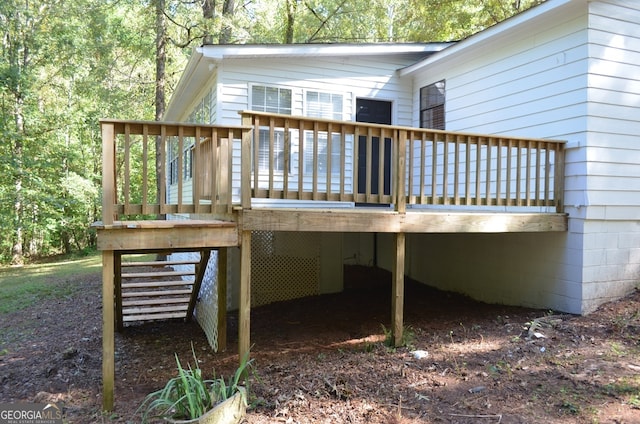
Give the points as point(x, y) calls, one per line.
point(323, 359)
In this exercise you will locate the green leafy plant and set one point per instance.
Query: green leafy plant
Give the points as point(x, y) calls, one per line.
point(189, 395)
point(408, 336)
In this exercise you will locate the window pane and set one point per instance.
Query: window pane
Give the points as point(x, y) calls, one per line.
point(324, 105)
point(278, 151)
point(271, 99)
point(432, 106)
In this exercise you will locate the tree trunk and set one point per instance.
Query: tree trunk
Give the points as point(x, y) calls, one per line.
point(292, 6)
point(208, 12)
point(17, 250)
point(228, 9)
point(161, 60)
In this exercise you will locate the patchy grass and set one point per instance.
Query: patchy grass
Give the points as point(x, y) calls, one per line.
point(24, 286)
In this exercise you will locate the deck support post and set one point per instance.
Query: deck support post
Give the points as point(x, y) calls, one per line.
point(117, 290)
point(397, 288)
point(244, 309)
point(108, 326)
point(222, 299)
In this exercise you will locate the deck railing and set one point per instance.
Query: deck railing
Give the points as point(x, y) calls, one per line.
point(306, 158)
point(310, 159)
point(192, 174)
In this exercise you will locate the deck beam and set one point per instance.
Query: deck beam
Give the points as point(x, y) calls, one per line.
point(360, 220)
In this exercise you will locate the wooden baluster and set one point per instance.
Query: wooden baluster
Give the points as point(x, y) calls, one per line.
point(434, 168)
point(478, 195)
point(509, 181)
point(126, 191)
point(538, 176)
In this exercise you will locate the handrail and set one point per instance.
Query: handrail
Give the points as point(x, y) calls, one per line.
point(312, 159)
point(307, 158)
point(133, 183)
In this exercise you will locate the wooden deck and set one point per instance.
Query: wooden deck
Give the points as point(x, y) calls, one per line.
point(438, 182)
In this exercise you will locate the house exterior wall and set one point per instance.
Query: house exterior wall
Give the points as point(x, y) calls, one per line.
point(612, 213)
point(566, 76)
point(365, 77)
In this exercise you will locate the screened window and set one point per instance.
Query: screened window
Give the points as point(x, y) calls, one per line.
point(272, 100)
point(432, 99)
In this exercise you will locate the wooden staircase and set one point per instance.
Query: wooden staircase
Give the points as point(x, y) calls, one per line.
point(153, 290)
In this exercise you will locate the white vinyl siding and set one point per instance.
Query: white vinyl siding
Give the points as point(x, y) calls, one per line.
point(611, 244)
point(614, 118)
point(572, 74)
point(530, 82)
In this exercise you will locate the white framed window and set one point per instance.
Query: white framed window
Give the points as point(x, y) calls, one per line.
point(324, 105)
point(278, 151)
point(272, 100)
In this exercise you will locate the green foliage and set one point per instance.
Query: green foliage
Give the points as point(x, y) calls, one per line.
point(408, 337)
point(185, 396)
point(189, 395)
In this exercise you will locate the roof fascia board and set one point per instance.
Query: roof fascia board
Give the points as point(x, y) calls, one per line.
point(249, 51)
point(491, 33)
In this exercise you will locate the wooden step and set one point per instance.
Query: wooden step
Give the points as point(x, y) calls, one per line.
point(156, 293)
point(156, 274)
point(153, 290)
point(157, 301)
point(159, 263)
point(149, 317)
point(154, 309)
point(157, 284)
